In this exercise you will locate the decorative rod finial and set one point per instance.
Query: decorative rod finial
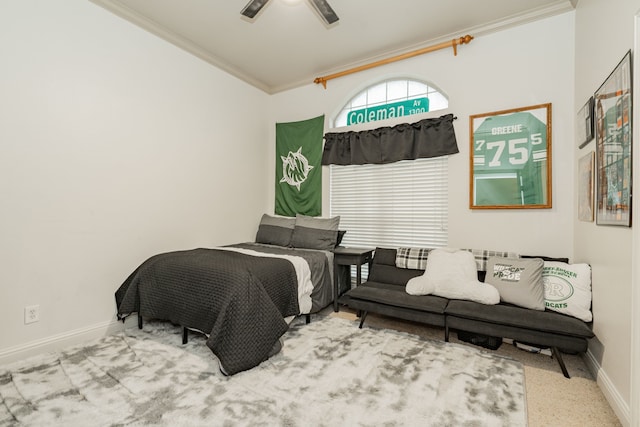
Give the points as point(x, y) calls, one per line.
point(462, 40)
point(322, 80)
point(466, 39)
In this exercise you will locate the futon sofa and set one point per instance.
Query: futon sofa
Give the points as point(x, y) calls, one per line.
point(384, 293)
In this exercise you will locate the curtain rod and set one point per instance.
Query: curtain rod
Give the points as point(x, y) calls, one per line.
point(453, 43)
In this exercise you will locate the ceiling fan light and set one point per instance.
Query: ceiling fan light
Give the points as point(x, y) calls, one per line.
point(321, 7)
point(325, 11)
point(253, 7)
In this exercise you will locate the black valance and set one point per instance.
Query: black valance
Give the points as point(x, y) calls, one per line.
point(407, 141)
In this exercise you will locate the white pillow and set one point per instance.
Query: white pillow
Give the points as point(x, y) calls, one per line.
point(452, 274)
point(567, 289)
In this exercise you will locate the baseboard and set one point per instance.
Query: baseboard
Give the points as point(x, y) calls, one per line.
point(619, 406)
point(60, 341)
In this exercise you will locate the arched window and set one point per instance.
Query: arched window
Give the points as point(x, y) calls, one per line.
point(391, 99)
point(397, 204)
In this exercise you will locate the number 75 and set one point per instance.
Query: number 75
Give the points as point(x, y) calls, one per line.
point(516, 148)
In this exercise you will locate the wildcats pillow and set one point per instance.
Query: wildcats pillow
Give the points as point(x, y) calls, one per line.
point(518, 280)
point(567, 289)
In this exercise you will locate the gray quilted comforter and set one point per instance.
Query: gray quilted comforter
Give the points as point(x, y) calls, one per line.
point(238, 299)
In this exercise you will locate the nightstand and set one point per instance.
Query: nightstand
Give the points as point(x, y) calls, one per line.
point(343, 256)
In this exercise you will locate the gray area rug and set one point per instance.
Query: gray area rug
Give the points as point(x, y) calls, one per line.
point(329, 373)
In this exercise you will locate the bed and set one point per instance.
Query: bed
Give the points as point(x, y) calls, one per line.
point(241, 296)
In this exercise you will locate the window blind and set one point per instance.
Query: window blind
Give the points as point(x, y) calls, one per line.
point(391, 205)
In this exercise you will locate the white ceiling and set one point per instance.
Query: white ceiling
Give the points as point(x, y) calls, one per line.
point(288, 45)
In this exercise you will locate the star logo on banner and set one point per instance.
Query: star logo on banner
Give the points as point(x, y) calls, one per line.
point(295, 168)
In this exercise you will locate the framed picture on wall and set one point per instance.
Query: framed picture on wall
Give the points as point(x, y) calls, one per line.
point(510, 159)
point(586, 177)
point(584, 124)
point(613, 146)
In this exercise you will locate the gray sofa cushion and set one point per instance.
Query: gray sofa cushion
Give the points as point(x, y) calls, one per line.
point(510, 315)
point(565, 343)
point(395, 295)
point(384, 269)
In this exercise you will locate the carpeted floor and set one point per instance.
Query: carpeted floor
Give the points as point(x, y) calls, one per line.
point(329, 373)
point(35, 390)
point(552, 400)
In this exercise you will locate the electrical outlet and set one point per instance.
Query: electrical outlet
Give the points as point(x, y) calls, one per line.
point(31, 314)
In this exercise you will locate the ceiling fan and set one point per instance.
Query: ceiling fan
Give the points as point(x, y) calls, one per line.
point(321, 6)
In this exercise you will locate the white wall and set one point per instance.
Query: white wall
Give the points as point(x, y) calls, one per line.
point(603, 35)
point(114, 146)
point(527, 65)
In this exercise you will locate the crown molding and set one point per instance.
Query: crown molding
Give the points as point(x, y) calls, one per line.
point(477, 31)
point(123, 11)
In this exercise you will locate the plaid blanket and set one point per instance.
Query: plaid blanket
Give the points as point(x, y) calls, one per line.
point(416, 258)
point(483, 255)
point(412, 258)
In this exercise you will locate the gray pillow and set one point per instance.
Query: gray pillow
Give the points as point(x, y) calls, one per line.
point(275, 230)
point(518, 280)
point(317, 222)
point(314, 238)
point(315, 233)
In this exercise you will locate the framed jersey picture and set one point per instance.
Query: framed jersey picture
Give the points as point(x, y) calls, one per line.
point(510, 159)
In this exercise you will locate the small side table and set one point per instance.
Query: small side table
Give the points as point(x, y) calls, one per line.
point(349, 257)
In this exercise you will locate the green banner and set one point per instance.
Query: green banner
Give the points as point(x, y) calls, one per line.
point(298, 167)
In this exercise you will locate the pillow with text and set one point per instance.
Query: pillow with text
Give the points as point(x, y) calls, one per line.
point(567, 289)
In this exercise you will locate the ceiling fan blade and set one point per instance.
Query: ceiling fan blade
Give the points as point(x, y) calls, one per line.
point(253, 7)
point(325, 11)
